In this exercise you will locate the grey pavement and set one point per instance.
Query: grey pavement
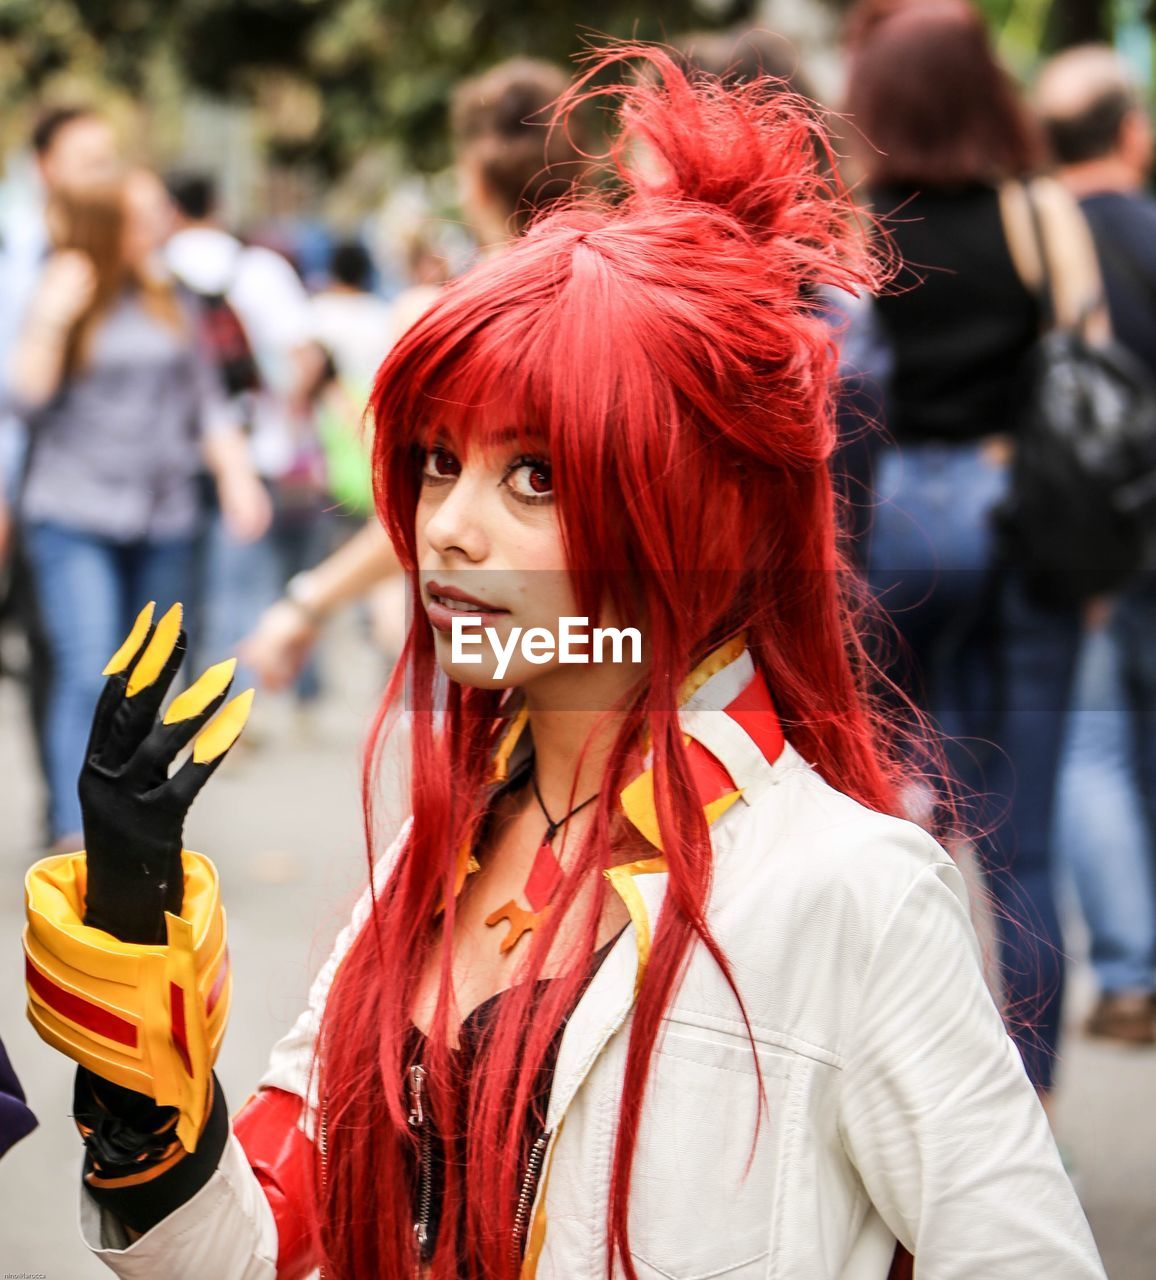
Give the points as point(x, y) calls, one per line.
point(282, 822)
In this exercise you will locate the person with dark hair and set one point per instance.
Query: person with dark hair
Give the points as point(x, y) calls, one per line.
point(353, 325)
point(262, 333)
point(194, 194)
point(511, 167)
point(350, 321)
point(1101, 139)
point(947, 146)
point(351, 266)
point(655, 981)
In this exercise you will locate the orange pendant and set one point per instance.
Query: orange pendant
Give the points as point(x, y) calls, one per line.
point(541, 885)
point(520, 921)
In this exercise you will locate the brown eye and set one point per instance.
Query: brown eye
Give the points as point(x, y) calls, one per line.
point(440, 464)
point(530, 478)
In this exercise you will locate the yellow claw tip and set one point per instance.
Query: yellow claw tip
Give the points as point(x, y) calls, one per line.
point(132, 642)
point(224, 730)
point(157, 654)
point(209, 685)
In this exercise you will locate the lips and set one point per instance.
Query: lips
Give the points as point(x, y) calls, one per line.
point(447, 603)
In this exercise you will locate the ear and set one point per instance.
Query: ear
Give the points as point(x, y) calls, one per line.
point(1135, 142)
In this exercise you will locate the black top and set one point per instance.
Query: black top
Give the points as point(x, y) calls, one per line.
point(1124, 230)
point(959, 320)
point(428, 1167)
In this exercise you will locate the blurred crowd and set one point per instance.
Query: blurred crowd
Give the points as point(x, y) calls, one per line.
point(182, 420)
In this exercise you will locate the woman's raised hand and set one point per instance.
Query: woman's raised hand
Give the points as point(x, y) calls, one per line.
point(133, 811)
point(66, 290)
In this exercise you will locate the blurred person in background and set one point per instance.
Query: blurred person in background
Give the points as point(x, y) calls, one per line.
point(73, 147)
point(260, 333)
point(349, 319)
point(352, 326)
point(1101, 140)
point(509, 167)
point(944, 136)
point(121, 408)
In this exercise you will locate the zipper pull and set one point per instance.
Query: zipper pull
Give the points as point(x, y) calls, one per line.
point(416, 1089)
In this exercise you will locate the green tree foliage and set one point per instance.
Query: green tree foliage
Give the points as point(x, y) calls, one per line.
point(372, 70)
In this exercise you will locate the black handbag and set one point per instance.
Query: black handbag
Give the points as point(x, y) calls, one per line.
point(1080, 520)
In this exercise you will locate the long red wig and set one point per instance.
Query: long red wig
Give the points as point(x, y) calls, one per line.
point(666, 345)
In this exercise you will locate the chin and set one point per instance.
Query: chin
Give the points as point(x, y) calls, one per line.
point(474, 675)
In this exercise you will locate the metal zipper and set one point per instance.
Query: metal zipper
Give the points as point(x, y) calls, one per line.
point(323, 1134)
point(417, 1120)
point(526, 1195)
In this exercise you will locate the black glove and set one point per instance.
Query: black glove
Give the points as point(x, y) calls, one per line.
point(134, 813)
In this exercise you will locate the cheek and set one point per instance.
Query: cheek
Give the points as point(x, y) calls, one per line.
point(534, 553)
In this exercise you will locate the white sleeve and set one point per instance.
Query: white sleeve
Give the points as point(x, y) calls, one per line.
point(939, 1117)
point(225, 1231)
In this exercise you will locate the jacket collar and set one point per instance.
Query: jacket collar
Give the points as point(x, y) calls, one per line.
point(732, 734)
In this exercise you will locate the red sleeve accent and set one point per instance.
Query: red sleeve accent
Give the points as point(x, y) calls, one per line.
point(282, 1158)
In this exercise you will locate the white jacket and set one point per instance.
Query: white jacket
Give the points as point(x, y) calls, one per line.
point(897, 1106)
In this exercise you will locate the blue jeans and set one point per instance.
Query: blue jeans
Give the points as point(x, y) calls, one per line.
point(1134, 626)
point(994, 672)
point(89, 590)
point(1102, 829)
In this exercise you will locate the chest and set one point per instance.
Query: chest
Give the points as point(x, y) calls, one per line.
point(500, 909)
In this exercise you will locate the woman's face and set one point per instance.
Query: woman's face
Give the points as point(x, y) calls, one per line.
point(148, 219)
point(491, 561)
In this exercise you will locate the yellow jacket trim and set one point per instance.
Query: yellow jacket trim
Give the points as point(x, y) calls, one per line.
point(150, 1018)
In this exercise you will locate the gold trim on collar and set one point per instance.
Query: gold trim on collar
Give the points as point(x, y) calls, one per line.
point(711, 665)
point(505, 748)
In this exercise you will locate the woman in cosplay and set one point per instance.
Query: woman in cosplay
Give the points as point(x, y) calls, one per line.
point(652, 983)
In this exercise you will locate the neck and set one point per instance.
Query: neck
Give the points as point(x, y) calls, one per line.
point(1108, 173)
point(574, 725)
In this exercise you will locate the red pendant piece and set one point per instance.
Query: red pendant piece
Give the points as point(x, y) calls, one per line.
point(539, 890)
point(544, 878)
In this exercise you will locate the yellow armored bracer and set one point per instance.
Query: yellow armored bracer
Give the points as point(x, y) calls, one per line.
point(150, 1018)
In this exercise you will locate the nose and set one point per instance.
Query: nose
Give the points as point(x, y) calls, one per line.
point(457, 525)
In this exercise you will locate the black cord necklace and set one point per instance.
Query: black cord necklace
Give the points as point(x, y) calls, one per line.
point(553, 827)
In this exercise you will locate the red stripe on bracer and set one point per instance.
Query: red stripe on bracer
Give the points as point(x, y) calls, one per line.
point(218, 985)
point(755, 713)
point(180, 1037)
point(83, 1012)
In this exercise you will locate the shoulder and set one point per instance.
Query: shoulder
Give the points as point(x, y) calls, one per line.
point(259, 266)
point(830, 872)
point(267, 292)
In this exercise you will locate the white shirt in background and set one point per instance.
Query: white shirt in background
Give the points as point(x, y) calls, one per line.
point(357, 330)
point(272, 306)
